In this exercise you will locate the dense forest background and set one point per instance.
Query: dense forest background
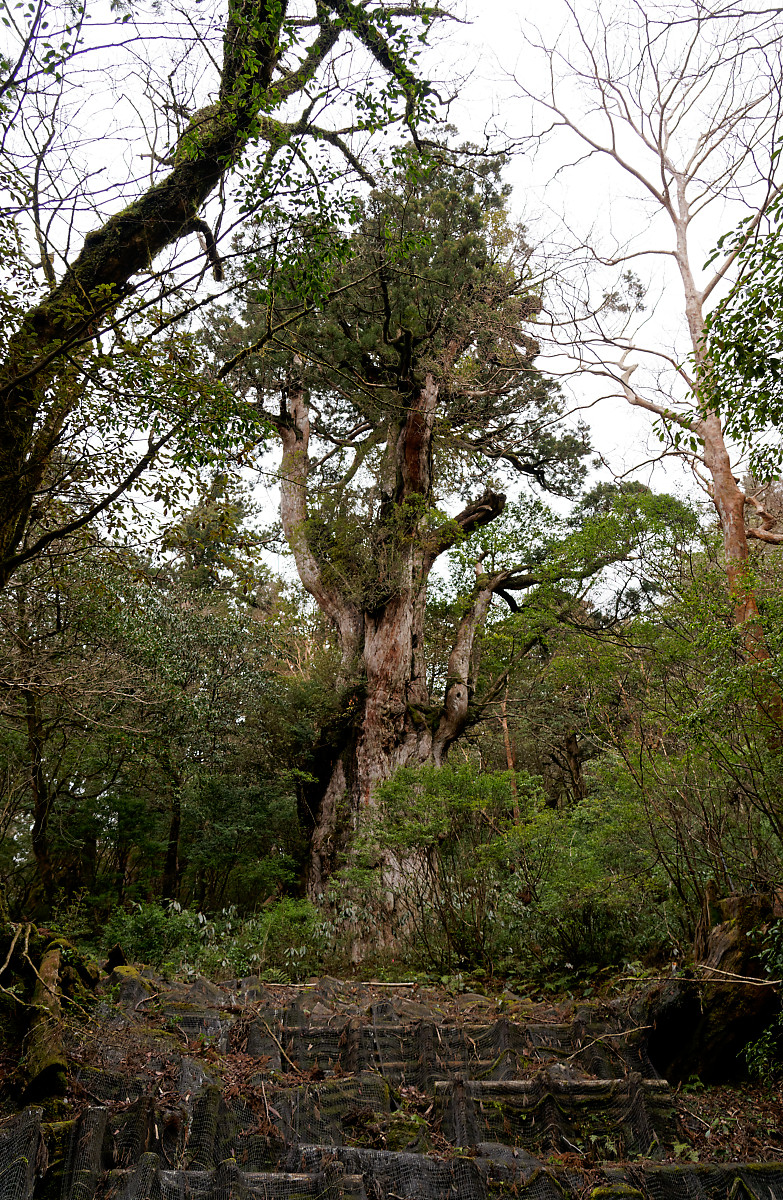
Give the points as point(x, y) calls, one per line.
point(164, 731)
point(468, 698)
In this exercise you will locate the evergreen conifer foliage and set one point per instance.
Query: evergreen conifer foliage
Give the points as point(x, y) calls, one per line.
point(411, 383)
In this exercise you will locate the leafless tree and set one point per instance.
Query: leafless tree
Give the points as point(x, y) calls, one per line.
point(683, 104)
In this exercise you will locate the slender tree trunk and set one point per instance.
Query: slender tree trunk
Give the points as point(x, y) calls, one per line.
point(727, 496)
point(170, 880)
point(509, 749)
point(574, 760)
point(729, 501)
point(40, 792)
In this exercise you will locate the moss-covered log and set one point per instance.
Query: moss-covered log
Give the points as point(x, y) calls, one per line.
point(45, 1061)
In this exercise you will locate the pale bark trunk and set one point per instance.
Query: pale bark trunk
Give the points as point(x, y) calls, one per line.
point(382, 647)
point(462, 672)
point(295, 436)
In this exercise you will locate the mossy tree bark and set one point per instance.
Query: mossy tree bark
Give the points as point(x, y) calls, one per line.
point(45, 1061)
point(39, 381)
point(393, 722)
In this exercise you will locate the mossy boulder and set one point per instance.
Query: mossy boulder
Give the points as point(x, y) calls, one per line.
point(129, 987)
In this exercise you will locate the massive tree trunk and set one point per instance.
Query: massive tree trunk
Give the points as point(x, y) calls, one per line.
point(393, 721)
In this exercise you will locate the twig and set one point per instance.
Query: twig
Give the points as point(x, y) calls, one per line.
point(741, 978)
point(144, 1000)
point(11, 950)
point(692, 978)
point(605, 1037)
point(13, 996)
point(706, 1124)
point(280, 1048)
point(52, 991)
point(380, 983)
point(7, 991)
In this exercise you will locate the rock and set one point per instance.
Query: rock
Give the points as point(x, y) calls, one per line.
point(115, 958)
point(131, 988)
point(702, 1020)
point(409, 1010)
point(199, 993)
point(472, 999)
point(319, 1012)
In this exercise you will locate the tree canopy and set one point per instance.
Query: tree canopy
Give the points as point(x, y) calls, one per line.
point(61, 389)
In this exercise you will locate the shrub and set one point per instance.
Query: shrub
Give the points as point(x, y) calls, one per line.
point(764, 1055)
point(289, 937)
point(466, 873)
point(431, 864)
point(152, 934)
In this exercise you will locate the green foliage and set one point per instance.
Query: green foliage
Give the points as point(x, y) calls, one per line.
point(146, 694)
point(151, 934)
point(485, 875)
point(764, 1055)
point(436, 844)
point(742, 376)
point(433, 283)
point(243, 841)
point(288, 938)
point(596, 896)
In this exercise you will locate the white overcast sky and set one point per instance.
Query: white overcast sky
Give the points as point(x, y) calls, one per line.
point(595, 198)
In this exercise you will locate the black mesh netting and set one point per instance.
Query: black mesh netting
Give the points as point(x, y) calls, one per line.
point(615, 1118)
point(231, 1094)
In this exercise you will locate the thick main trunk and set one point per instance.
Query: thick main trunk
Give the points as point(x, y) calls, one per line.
point(391, 729)
point(397, 724)
point(392, 719)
